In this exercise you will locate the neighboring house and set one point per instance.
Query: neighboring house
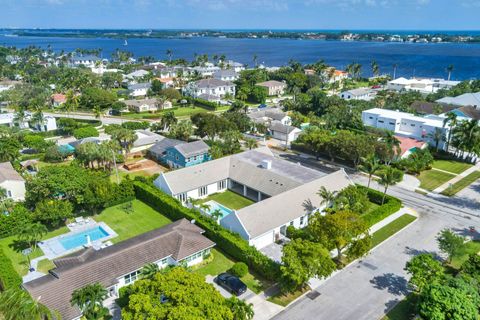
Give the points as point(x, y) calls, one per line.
point(145, 139)
point(334, 75)
point(209, 89)
point(466, 99)
point(187, 154)
point(139, 89)
point(421, 85)
point(159, 150)
point(143, 105)
point(58, 99)
point(236, 66)
point(49, 124)
point(267, 115)
point(76, 143)
point(406, 124)
point(136, 75)
point(283, 132)
point(8, 84)
point(365, 94)
point(285, 192)
point(226, 75)
point(409, 146)
point(466, 113)
point(206, 71)
point(274, 88)
point(88, 61)
point(12, 182)
point(8, 119)
point(426, 108)
point(119, 265)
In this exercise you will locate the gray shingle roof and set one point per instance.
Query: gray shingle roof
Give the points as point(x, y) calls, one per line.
point(287, 206)
point(466, 99)
point(138, 103)
point(280, 127)
point(145, 137)
point(139, 86)
point(179, 240)
point(8, 173)
point(212, 83)
point(161, 146)
point(225, 73)
point(271, 83)
point(192, 148)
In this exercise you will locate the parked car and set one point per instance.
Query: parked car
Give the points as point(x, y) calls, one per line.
point(231, 283)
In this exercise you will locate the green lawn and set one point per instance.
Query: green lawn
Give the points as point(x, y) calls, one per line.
point(230, 199)
point(285, 299)
point(13, 250)
point(462, 256)
point(432, 179)
point(122, 174)
point(219, 262)
point(451, 165)
point(404, 310)
point(143, 218)
point(461, 184)
point(372, 207)
point(390, 229)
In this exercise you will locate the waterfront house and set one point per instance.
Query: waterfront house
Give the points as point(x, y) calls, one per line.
point(285, 193)
point(365, 94)
point(119, 265)
point(422, 85)
point(226, 75)
point(12, 182)
point(139, 89)
point(209, 89)
point(274, 88)
point(136, 75)
point(466, 99)
point(88, 61)
point(206, 71)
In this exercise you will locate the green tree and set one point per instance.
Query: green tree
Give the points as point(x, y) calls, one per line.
point(328, 197)
point(375, 68)
point(251, 143)
point(53, 212)
point(125, 137)
point(451, 121)
point(167, 120)
point(389, 177)
point(353, 199)
point(90, 300)
point(450, 243)
point(149, 270)
point(423, 269)
point(182, 130)
point(16, 304)
point(339, 231)
point(85, 132)
point(9, 149)
point(302, 260)
point(241, 309)
point(370, 165)
point(32, 233)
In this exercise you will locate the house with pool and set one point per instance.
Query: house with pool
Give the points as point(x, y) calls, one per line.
point(118, 265)
point(283, 193)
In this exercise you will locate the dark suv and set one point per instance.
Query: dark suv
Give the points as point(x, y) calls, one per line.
point(231, 283)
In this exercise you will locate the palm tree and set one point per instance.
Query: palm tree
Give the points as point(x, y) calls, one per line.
point(125, 138)
point(451, 120)
point(204, 207)
point(375, 68)
point(393, 143)
point(216, 214)
point(327, 196)
point(255, 58)
point(89, 299)
point(38, 119)
point(169, 54)
point(437, 136)
point(370, 165)
point(389, 177)
point(16, 304)
point(32, 233)
point(251, 143)
point(395, 66)
point(97, 111)
point(149, 270)
point(19, 118)
point(167, 119)
point(241, 310)
point(450, 70)
point(357, 70)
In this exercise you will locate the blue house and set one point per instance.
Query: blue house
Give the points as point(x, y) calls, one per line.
point(179, 154)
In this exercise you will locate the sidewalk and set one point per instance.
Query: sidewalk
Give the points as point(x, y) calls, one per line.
point(459, 177)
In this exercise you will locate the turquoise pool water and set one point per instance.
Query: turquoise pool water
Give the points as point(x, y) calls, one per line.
point(217, 206)
point(80, 239)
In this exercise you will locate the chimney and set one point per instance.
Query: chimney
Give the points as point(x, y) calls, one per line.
point(266, 164)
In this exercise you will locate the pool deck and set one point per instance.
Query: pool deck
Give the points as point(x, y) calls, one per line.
point(52, 248)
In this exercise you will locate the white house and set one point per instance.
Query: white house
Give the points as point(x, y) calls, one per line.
point(139, 89)
point(236, 66)
point(285, 193)
point(118, 265)
point(365, 94)
point(209, 89)
point(464, 100)
point(284, 132)
point(49, 124)
point(421, 85)
point(267, 115)
point(206, 71)
point(226, 75)
point(12, 182)
point(88, 61)
point(407, 125)
point(144, 105)
point(274, 88)
point(8, 119)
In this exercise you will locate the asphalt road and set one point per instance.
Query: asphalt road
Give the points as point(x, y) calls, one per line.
point(105, 119)
point(369, 288)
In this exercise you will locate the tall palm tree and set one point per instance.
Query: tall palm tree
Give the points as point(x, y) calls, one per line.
point(395, 66)
point(216, 214)
point(451, 120)
point(255, 59)
point(90, 300)
point(437, 136)
point(167, 119)
point(393, 144)
point(251, 143)
point(169, 54)
point(38, 119)
point(97, 111)
point(16, 304)
point(450, 70)
point(375, 68)
point(327, 196)
point(389, 177)
point(32, 233)
point(125, 138)
point(149, 270)
point(370, 166)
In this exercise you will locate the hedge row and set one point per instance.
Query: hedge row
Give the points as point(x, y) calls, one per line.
point(9, 278)
point(228, 241)
point(390, 206)
point(205, 104)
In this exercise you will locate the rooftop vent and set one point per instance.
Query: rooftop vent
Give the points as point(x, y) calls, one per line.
point(266, 164)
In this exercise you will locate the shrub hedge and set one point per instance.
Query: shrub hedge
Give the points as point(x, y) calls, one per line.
point(228, 241)
point(206, 104)
point(239, 269)
point(390, 206)
point(9, 278)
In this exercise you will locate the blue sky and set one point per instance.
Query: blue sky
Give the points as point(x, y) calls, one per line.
point(244, 14)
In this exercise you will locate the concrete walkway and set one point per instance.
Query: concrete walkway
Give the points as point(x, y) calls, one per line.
point(457, 178)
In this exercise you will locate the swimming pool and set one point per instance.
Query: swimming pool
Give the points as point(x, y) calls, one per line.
point(80, 239)
point(217, 206)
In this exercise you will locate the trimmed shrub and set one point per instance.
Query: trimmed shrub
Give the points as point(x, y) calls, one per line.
point(136, 125)
point(9, 278)
point(205, 104)
point(226, 240)
point(239, 269)
point(85, 132)
point(390, 206)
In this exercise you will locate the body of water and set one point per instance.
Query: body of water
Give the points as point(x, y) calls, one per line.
point(413, 59)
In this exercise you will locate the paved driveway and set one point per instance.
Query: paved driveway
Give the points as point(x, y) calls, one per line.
point(367, 289)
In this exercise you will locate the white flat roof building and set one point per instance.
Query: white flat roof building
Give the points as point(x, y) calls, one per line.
point(420, 84)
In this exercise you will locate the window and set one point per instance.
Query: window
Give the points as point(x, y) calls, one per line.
point(392, 123)
point(194, 158)
point(412, 124)
point(380, 121)
point(129, 278)
point(9, 193)
point(202, 191)
point(291, 223)
point(370, 117)
point(302, 219)
point(164, 261)
point(182, 197)
point(176, 157)
point(222, 184)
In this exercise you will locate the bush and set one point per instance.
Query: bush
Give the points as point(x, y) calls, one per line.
point(134, 125)
point(123, 296)
point(205, 104)
point(85, 132)
point(239, 269)
point(9, 278)
point(390, 206)
point(226, 240)
point(18, 216)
